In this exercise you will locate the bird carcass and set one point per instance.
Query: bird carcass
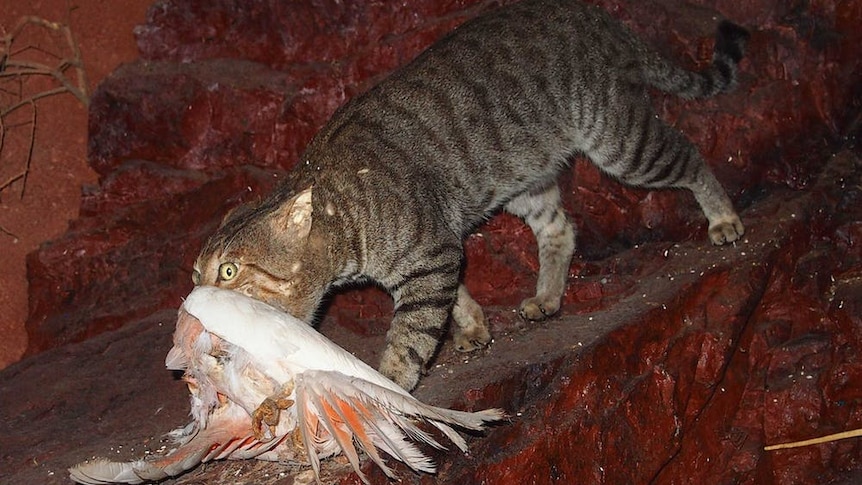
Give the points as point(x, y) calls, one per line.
point(265, 385)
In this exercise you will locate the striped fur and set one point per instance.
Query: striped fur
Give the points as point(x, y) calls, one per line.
point(484, 120)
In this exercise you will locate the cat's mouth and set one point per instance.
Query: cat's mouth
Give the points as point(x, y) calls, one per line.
point(273, 298)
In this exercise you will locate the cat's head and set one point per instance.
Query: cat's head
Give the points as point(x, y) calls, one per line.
point(263, 251)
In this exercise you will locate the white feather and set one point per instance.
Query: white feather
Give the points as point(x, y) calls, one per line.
point(101, 471)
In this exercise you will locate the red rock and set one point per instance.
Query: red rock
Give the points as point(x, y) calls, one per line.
point(280, 35)
point(123, 264)
point(201, 116)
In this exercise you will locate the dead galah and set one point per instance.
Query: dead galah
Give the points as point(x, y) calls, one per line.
point(266, 385)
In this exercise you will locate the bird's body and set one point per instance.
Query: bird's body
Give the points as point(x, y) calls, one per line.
point(266, 385)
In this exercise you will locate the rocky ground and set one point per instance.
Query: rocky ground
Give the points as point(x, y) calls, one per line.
point(671, 362)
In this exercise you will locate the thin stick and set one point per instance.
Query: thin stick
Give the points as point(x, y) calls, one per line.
point(13, 70)
point(31, 99)
point(7, 232)
point(11, 180)
point(29, 160)
point(3, 130)
point(815, 441)
point(25, 173)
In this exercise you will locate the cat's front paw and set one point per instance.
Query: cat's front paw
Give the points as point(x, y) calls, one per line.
point(727, 230)
point(477, 337)
point(536, 309)
point(400, 369)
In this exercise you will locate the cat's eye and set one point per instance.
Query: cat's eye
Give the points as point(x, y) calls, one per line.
point(227, 271)
point(196, 277)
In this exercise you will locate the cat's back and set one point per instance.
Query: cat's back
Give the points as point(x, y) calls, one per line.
point(486, 88)
point(568, 27)
point(482, 115)
point(509, 51)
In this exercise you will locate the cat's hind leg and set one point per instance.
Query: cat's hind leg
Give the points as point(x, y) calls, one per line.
point(470, 331)
point(670, 160)
point(639, 149)
point(543, 212)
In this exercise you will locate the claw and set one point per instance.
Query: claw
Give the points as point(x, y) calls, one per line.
point(268, 414)
point(269, 411)
point(265, 414)
point(726, 231)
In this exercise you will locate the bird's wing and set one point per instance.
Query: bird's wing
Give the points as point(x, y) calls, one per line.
point(333, 406)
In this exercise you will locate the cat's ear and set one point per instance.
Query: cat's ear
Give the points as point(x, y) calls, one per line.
point(293, 218)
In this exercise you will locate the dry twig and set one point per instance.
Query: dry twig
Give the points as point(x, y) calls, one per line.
point(816, 441)
point(15, 69)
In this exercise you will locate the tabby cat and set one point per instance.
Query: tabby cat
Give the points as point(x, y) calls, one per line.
point(485, 119)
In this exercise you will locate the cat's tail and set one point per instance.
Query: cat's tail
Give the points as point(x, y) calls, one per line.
point(720, 77)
